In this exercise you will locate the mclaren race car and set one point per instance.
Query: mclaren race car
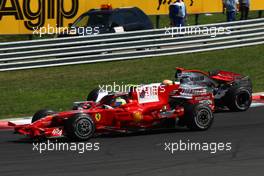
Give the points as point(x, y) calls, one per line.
point(231, 90)
point(145, 107)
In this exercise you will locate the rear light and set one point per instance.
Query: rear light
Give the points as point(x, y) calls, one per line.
point(106, 7)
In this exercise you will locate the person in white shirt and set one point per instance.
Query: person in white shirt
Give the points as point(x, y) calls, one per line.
point(177, 13)
point(231, 7)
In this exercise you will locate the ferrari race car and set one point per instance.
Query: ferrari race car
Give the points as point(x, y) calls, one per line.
point(153, 106)
point(231, 90)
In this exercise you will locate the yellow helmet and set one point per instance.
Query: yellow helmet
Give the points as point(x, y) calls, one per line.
point(167, 82)
point(119, 101)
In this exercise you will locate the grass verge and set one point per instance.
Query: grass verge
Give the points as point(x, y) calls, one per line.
point(24, 92)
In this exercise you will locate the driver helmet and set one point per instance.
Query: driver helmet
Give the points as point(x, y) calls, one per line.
point(167, 82)
point(119, 101)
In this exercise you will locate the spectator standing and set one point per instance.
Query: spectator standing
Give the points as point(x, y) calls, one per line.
point(231, 9)
point(177, 13)
point(244, 9)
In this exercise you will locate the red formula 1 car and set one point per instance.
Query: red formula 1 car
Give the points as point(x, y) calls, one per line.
point(145, 107)
point(231, 90)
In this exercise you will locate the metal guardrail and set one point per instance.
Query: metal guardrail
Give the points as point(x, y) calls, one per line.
point(128, 45)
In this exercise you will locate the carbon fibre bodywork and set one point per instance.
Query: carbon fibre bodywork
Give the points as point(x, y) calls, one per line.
point(229, 88)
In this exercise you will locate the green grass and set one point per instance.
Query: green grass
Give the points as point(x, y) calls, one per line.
point(24, 92)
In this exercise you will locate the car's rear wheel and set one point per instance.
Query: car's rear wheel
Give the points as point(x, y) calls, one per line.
point(198, 117)
point(80, 127)
point(239, 100)
point(42, 113)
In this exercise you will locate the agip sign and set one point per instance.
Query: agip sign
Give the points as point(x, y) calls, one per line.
point(23, 16)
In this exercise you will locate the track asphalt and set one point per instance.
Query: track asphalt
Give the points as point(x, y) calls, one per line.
point(144, 153)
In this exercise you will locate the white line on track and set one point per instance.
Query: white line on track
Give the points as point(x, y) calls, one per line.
point(253, 105)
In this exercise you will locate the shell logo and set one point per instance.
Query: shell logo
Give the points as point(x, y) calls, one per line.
point(137, 116)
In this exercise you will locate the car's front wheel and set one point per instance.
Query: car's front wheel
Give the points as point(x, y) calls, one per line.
point(198, 117)
point(80, 127)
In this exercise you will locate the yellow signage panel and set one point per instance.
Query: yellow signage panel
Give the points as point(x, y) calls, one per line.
point(154, 7)
point(257, 5)
point(26, 16)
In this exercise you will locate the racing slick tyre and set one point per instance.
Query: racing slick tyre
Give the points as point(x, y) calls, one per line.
point(41, 113)
point(93, 95)
point(80, 127)
point(239, 99)
point(198, 117)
